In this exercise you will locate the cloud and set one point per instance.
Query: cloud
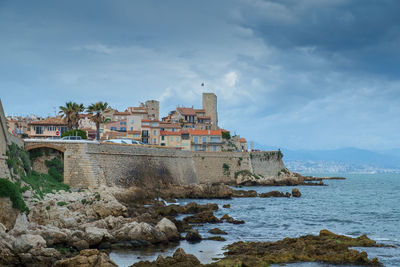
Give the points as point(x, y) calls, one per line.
point(295, 74)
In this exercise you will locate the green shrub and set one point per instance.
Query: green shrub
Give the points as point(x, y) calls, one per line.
point(43, 184)
point(56, 169)
point(97, 196)
point(62, 203)
point(243, 172)
point(226, 135)
point(11, 190)
point(75, 132)
point(84, 201)
point(18, 160)
point(225, 168)
point(35, 153)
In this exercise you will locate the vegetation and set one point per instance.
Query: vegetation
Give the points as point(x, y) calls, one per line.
point(96, 110)
point(75, 132)
point(226, 135)
point(18, 161)
point(62, 203)
point(246, 173)
point(56, 169)
point(71, 112)
point(35, 153)
point(225, 168)
point(11, 190)
point(43, 184)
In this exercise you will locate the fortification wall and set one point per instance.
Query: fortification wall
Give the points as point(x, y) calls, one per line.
point(4, 139)
point(212, 167)
point(122, 165)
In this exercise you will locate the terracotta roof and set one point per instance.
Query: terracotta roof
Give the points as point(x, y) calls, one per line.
point(169, 125)
point(122, 113)
point(205, 132)
point(200, 110)
point(147, 120)
point(134, 132)
point(170, 133)
point(50, 121)
point(204, 117)
point(242, 140)
point(84, 115)
point(187, 111)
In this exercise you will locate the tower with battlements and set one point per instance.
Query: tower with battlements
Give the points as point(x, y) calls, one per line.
point(210, 106)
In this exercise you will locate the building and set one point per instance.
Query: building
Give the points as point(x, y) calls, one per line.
point(206, 140)
point(170, 139)
point(210, 107)
point(150, 132)
point(47, 128)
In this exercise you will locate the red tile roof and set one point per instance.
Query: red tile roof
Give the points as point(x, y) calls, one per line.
point(242, 140)
point(170, 133)
point(50, 121)
point(205, 132)
point(122, 113)
point(187, 111)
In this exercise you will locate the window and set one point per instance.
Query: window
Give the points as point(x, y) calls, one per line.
point(51, 128)
point(121, 123)
point(113, 128)
point(214, 148)
point(116, 118)
point(177, 139)
point(145, 133)
point(204, 139)
point(196, 139)
point(39, 129)
point(154, 141)
point(132, 121)
point(173, 129)
point(162, 137)
point(162, 129)
point(172, 139)
point(154, 132)
point(131, 128)
point(215, 139)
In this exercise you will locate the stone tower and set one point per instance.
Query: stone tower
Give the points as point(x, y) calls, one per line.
point(210, 106)
point(153, 108)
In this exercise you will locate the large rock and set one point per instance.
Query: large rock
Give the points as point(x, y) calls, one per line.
point(296, 192)
point(25, 242)
point(275, 194)
point(52, 234)
point(168, 228)
point(94, 235)
point(193, 236)
point(202, 217)
point(21, 225)
point(87, 258)
point(144, 231)
point(8, 214)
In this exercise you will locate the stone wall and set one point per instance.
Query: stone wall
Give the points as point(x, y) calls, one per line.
point(121, 165)
point(91, 164)
point(212, 167)
point(4, 140)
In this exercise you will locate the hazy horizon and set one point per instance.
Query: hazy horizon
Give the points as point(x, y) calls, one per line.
point(306, 74)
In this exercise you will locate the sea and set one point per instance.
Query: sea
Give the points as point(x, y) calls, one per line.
point(362, 204)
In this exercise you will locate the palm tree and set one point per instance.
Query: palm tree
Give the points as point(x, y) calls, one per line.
point(78, 108)
point(96, 110)
point(70, 112)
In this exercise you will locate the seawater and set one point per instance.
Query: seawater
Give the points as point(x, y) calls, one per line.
point(362, 204)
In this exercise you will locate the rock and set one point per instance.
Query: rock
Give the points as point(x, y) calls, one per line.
point(193, 235)
point(144, 231)
point(87, 258)
point(180, 258)
point(275, 194)
point(27, 241)
point(81, 244)
point(216, 238)
point(8, 214)
point(217, 231)
point(168, 228)
point(40, 257)
point(95, 235)
point(51, 234)
point(244, 193)
point(227, 206)
point(21, 225)
point(327, 248)
point(3, 229)
point(229, 219)
point(202, 217)
point(296, 192)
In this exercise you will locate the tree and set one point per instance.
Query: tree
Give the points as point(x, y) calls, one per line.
point(96, 111)
point(71, 112)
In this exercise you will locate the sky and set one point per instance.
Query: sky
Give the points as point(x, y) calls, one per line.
point(296, 74)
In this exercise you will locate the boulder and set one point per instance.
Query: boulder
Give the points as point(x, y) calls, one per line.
point(226, 206)
point(180, 258)
point(202, 217)
point(193, 235)
point(275, 194)
point(87, 258)
point(3, 229)
point(8, 214)
point(217, 231)
point(296, 192)
point(21, 225)
point(25, 242)
point(168, 228)
point(229, 219)
point(94, 235)
point(144, 231)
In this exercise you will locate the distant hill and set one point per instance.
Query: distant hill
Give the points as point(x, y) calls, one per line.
point(340, 160)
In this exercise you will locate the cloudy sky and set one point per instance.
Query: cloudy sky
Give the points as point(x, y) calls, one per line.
point(297, 74)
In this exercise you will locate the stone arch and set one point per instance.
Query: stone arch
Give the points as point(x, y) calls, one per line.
point(56, 147)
